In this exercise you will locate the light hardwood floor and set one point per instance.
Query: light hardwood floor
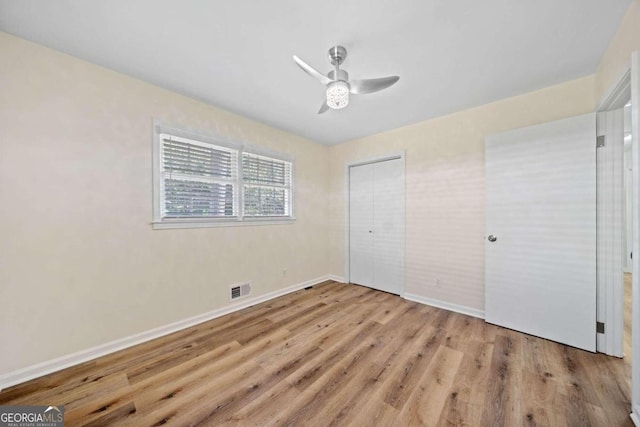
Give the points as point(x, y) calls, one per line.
point(627, 317)
point(341, 355)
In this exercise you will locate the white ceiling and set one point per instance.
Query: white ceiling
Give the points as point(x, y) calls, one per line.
point(450, 55)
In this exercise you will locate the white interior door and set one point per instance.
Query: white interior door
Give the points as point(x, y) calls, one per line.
point(376, 225)
point(361, 260)
point(541, 208)
point(388, 225)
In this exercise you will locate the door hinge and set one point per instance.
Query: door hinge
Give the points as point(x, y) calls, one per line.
point(600, 327)
point(600, 141)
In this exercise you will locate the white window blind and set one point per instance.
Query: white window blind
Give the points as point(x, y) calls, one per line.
point(266, 186)
point(199, 180)
point(202, 180)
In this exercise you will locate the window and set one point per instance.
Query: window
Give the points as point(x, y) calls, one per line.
point(266, 186)
point(201, 182)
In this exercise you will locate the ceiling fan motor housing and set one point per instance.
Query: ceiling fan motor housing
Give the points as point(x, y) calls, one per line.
point(342, 75)
point(337, 55)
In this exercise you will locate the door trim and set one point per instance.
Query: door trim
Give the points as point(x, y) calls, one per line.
point(635, 310)
point(611, 228)
point(618, 94)
point(611, 342)
point(400, 155)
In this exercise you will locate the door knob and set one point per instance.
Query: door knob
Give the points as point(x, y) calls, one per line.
point(370, 231)
point(492, 238)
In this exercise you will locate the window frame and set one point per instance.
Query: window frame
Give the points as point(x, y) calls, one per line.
point(244, 184)
point(158, 222)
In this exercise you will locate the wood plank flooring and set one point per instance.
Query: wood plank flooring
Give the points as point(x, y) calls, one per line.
point(627, 316)
point(340, 354)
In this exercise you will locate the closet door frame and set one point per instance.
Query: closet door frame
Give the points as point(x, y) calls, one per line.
point(400, 155)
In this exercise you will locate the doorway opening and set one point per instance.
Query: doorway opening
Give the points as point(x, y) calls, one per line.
point(628, 230)
point(615, 190)
point(626, 304)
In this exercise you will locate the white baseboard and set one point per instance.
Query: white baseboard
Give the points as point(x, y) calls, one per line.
point(635, 410)
point(44, 368)
point(445, 305)
point(338, 279)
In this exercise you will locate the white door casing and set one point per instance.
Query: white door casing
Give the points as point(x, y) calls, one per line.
point(635, 297)
point(541, 205)
point(610, 230)
point(628, 187)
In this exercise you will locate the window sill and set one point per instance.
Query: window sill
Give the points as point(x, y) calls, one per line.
point(180, 223)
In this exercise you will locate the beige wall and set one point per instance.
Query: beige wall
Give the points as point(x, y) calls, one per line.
point(75, 134)
point(617, 57)
point(445, 187)
point(80, 264)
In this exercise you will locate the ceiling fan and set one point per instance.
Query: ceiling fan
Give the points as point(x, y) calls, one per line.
point(338, 84)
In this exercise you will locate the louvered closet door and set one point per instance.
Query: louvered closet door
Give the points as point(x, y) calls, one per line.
point(376, 225)
point(541, 209)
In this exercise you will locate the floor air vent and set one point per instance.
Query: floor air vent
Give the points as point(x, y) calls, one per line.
point(240, 290)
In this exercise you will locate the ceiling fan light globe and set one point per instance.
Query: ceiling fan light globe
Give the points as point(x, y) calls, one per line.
point(337, 94)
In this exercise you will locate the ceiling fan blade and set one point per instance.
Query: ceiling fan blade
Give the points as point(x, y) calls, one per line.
point(324, 107)
point(312, 71)
point(359, 87)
